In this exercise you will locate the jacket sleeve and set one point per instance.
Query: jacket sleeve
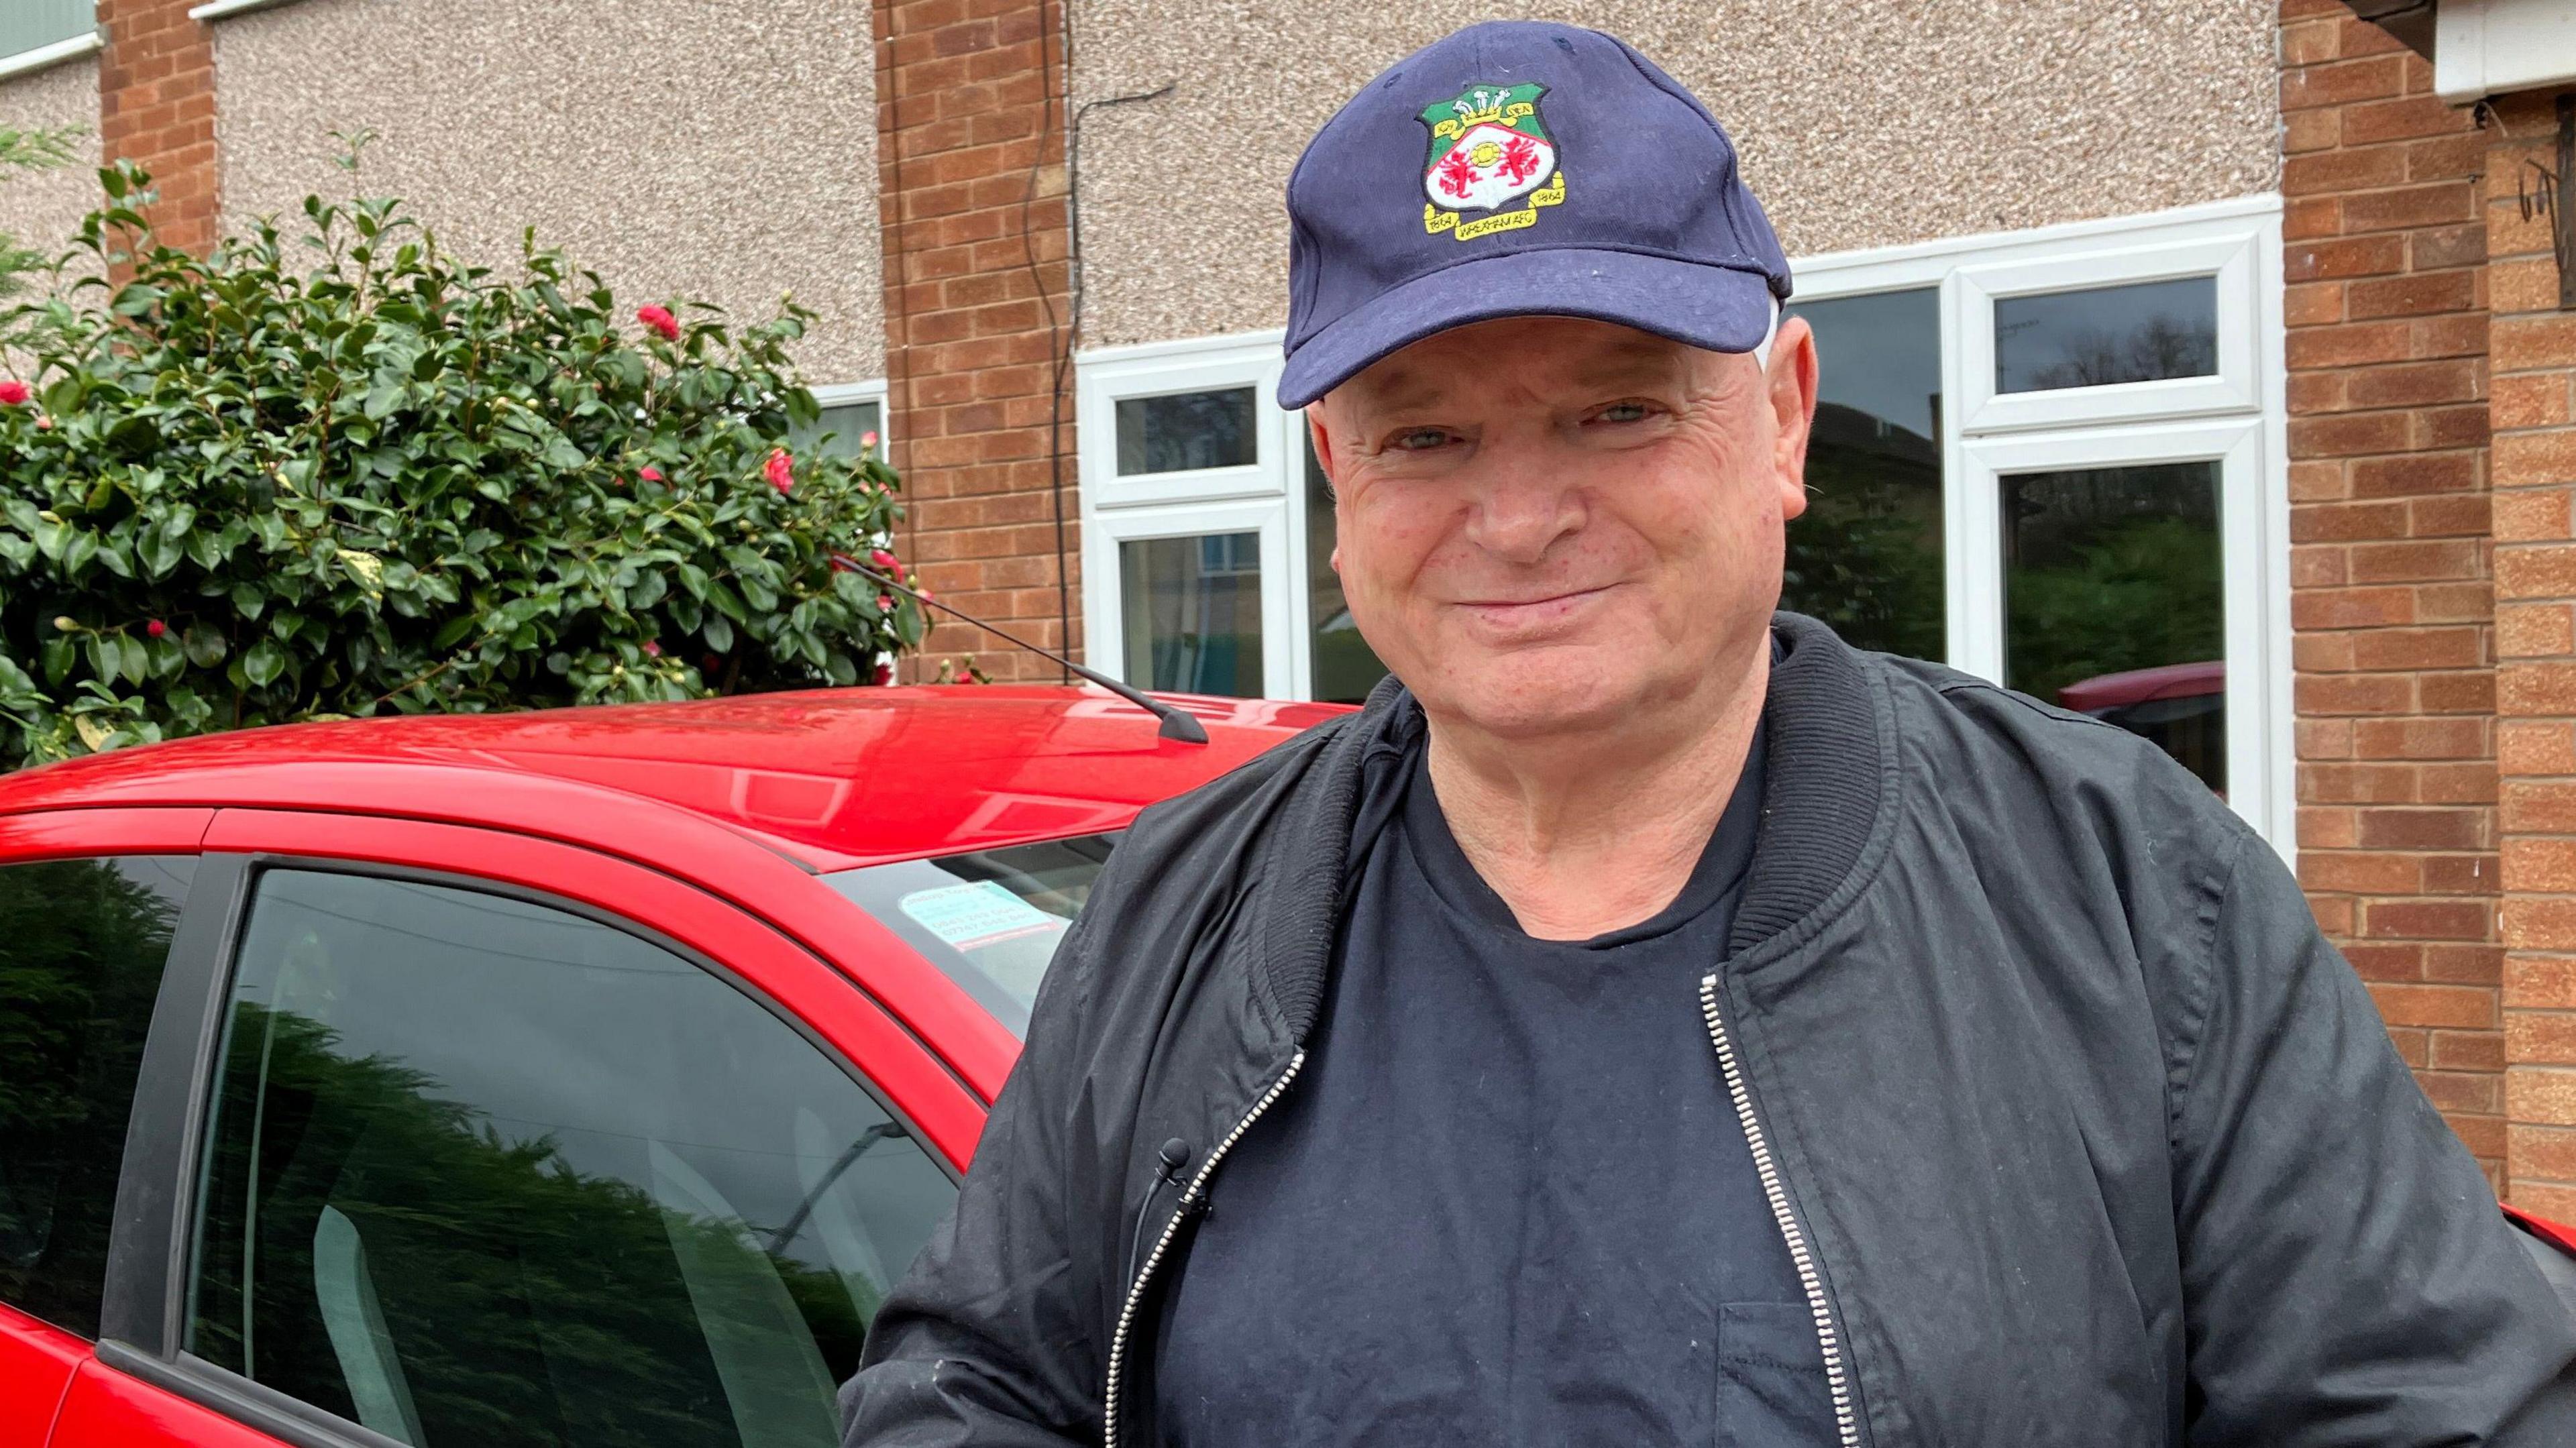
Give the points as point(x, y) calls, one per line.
point(2347, 1275)
point(989, 1340)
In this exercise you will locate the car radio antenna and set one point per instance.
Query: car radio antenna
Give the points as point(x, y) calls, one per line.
point(1178, 723)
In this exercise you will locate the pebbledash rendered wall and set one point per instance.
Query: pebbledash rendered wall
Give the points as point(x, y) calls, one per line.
point(725, 152)
point(1860, 125)
point(42, 208)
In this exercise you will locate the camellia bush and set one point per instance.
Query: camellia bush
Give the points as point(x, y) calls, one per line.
point(348, 474)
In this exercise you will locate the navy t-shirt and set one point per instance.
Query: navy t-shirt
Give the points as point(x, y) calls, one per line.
point(1508, 1199)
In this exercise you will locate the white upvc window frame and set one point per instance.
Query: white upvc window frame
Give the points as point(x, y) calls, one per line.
point(2227, 258)
point(2236, 418)
point(847, 394)
point(1104, 616)
point(1262, 497)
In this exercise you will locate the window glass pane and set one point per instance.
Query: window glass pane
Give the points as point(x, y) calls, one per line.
point(2114, 604)
point(485, 1172)
point(992, 919)
point(34, 24)
point(1346, 668)
point(1192, 609)
point(1187, 430)
point(2103, 335)
point(837, 431)
point(82, 943)
point(1866, 555)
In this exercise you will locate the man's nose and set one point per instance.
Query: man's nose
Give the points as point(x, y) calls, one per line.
point(1522, 507)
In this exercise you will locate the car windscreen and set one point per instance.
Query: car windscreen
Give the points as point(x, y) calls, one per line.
point(991, 919)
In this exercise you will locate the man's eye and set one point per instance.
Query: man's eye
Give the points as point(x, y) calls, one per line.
point(1419, 439)
point(1622, 412)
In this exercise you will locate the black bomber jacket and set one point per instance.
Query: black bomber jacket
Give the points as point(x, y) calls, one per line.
point(2079, 1131)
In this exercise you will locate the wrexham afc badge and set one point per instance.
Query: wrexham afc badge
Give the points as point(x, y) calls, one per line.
point(1489, 149)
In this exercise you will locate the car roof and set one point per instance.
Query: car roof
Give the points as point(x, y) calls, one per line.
point(833, 778)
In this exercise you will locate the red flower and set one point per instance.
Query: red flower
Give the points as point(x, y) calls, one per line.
point(650, 475)
point(923, 593)
point(885, 603)
point(660, 320)
point(780, 469)
point(13, 393)
point(867, 439)
point(885, 673)
point(156, 628)
point(652, 648)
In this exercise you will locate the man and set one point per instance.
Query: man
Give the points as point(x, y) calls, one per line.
point(1654, 1021)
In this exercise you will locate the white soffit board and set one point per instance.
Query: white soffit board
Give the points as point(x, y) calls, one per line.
point(2486, 47)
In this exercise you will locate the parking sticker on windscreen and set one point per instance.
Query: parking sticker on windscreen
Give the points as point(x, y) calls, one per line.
point(978, 914)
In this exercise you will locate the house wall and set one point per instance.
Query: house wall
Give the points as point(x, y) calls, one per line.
point(42, 208)
point(1860, 126)
point(2533, 353)
point(681, 149)
point(2391, 599)
point(978, 322)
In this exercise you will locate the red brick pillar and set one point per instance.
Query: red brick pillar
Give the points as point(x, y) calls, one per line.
point(2390, 597)
point(156, 107)
point(2534, 355)
point(971, 167)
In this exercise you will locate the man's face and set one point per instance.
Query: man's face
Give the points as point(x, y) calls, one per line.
point(1547, 524)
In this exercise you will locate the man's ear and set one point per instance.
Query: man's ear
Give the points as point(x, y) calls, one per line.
point(1792, 382)
point(1323, 443)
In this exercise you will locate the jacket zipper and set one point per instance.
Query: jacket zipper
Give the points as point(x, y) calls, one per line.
point(1163, 1245)
point(1846, 1422)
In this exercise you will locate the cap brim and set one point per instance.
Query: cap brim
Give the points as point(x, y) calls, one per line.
point(1722, 309)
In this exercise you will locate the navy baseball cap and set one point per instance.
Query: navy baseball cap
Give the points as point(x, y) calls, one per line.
point(1520, 169)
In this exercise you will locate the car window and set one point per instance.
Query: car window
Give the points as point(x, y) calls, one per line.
point(486, 1172)
point(990, 920)
point(82, 943)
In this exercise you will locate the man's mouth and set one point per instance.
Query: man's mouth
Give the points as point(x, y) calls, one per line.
point(1537, 610)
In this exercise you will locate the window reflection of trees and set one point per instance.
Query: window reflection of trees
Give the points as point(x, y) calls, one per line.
point(512, 1298)
point(86, 940)
point(2108, 570)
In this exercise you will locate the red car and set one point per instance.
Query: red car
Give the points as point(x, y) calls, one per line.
point(571, 1078)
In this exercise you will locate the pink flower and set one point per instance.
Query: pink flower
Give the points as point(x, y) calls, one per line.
point(652, 648)
point(156, 628)
point(13, 393)
point(660, 320)
point(885, 603)
point(885, 673)
point(922, 590)
point(650, 475)
point(882, 558)
point(867, 439)
point(780, 469)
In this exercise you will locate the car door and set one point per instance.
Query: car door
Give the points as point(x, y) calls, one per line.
point(491, 1140)
point(88, 904)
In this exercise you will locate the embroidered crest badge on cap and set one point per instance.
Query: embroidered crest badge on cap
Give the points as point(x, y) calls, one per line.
point(1488, 149)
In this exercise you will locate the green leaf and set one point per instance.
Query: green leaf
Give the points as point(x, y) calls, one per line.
point(205, 645)
point(449, 632)
point(59, 654)
point(160, 552)
point(727, 602)
point(263, 663)
point(718, 634)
